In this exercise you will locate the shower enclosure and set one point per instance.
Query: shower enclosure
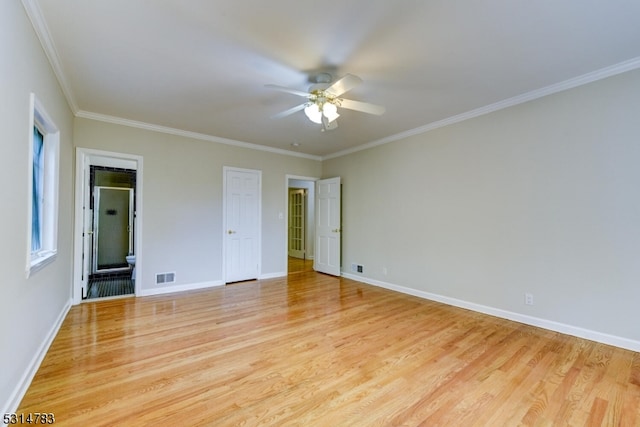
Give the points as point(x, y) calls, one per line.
point(113, 228)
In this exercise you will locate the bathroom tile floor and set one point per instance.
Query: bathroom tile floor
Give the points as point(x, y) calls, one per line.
point(110, 287)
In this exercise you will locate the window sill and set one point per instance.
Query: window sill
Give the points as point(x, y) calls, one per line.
point(40, 261)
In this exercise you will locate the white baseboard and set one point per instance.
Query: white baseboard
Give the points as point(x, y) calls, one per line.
point(34, 363)
point(273, 275)
point(179, 288)
point(196, 286)
point(551, 325)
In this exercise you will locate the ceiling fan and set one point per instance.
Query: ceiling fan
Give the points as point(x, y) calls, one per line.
point(323, 100)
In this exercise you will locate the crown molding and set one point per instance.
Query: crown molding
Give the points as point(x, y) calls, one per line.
point(189, 134)
point(42, 31)
point(584, 79)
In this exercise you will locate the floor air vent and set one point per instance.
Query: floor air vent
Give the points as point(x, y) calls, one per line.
point(162, 278)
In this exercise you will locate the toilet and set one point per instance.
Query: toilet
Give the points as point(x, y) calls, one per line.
point(131, 260)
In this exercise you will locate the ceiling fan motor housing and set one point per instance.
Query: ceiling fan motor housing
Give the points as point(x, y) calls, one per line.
point(322, 81)
point(318, 87)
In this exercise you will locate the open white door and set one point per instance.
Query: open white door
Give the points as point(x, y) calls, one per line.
point(242, 224)
point(87, 231)
point(328, 226)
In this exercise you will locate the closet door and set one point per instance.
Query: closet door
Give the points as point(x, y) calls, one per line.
point(242, 200)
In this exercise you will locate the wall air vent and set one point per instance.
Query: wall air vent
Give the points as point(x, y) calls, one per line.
point(162, 278)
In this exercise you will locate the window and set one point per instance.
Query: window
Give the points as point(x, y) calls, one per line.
point(44, 142)
point(37, 191)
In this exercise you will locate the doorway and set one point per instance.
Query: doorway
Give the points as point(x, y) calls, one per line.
point(300, 222)
point(112, 203)
point(107, 232)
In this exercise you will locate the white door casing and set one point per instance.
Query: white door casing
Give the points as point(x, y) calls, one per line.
point(242, 208)
point(328, 226)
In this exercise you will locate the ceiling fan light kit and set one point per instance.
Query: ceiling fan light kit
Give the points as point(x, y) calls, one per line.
point(323, 100)
point(313, 113)
point(318, 109)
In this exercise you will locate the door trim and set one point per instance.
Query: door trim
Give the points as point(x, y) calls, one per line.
point(84, 158)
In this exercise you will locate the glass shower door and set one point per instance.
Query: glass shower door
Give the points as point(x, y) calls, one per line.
point(113, 238)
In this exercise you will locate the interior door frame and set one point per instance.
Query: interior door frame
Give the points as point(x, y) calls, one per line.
point(85, 157)
point(285, 256)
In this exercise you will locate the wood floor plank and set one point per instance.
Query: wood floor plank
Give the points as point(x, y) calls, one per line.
point(311, 349)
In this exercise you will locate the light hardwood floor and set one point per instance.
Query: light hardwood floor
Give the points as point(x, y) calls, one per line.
point(314, 350)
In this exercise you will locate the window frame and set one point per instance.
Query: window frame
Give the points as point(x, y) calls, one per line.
point(40, 119)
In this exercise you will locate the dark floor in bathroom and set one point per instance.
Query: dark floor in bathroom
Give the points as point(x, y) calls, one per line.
point(110, 285)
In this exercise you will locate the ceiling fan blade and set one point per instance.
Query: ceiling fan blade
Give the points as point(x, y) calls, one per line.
point(289, 111)
point(288, 90)
point(365, 107)
point(343, 85)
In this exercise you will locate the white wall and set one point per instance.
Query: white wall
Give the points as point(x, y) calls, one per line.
point(541, 198)
point(182, 218)
point(31, 308)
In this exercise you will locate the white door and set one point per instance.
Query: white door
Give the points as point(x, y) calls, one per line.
point(297, 228)
point(328, 226)
point(87, 231)
point(242, 224)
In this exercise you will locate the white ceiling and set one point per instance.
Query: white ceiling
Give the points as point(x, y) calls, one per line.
point(201, 65)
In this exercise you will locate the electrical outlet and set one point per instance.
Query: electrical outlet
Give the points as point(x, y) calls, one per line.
point(528, 299)
point(360, 269)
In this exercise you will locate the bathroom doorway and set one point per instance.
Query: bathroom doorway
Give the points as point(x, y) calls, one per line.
point(112, 239)
point(107, 232)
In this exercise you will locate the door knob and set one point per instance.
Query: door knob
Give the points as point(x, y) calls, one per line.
point(231, 232)
point(337, 230)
